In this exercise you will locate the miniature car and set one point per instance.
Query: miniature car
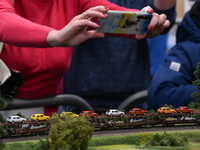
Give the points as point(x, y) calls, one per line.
point(166, 110)
point(40, 117)
point(37, 126)
point(170, 119)
point(90, 114)
point(187, 118)
point(111, 122)
point(11, 130)
point(137, 111)
point(114, 112)
point(15, 119)
point(68, 113)
point(184, 109)
point(137, 120)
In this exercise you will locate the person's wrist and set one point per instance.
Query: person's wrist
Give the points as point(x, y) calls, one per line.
point(51, 39)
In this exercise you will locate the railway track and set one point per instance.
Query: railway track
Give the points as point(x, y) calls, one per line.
point(107, 132)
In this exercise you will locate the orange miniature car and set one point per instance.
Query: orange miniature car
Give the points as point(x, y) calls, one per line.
point(137, 111)
point(166, 110)
point(90, 114)
point(184, 109)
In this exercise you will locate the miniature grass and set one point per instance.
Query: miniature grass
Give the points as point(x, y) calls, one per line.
point(108, 143)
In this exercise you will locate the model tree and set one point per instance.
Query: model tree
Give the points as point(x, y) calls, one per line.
point(196, 95)
point(70, 132)
point(2, 120)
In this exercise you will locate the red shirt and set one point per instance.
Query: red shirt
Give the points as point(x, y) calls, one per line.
point(27, 25)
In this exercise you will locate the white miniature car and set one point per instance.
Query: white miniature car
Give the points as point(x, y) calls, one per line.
point(136, 120)
point(114, 112)
point(15, 119)
point(37, 126)
point(187, 118)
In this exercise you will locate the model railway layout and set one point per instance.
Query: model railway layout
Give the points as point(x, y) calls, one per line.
point(125, 120)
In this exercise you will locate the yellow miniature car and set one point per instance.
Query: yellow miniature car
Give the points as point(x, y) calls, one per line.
point(166, 110)
point(68, 113)
point(170, 119)
point(40, 117)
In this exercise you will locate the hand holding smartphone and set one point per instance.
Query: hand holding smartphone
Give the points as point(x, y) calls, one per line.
point(125, 22)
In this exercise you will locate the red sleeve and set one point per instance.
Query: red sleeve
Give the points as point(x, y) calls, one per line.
point(86, 4)
point(15, 30)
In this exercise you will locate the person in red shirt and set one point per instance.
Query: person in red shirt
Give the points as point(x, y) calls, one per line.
point(39, 37)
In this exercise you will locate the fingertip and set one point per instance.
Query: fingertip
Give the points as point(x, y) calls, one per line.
point(150, 10)
point(150, 28)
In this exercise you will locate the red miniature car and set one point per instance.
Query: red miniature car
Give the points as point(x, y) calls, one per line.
point(184, 109)
point(137, 111)
point(90, 114)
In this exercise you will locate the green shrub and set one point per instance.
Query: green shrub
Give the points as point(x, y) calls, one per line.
point(166, 139)
point(19, 114)
point(43, 144)
point(144, 137)
point(70, 132)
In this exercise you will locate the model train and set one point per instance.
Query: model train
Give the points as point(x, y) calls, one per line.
point(111, 119)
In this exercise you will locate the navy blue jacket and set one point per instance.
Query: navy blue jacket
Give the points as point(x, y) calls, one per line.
point(106, 71)
point(172, 82)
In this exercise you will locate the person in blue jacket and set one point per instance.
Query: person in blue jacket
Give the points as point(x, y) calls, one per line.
point(172, 82)
point(106, 71)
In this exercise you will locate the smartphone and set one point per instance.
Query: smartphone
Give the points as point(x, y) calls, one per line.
point(125, 22)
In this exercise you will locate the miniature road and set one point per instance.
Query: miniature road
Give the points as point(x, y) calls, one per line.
point(108, 132)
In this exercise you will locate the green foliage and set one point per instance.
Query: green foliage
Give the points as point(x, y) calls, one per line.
point(197, 84)
point(2, 120)
point(170, 106)
point(2, 145)
point(99, 142)
point(135, 139)
point(196, 95)
point(43, 144)
point(2, 131)
point(2, 102)
point(107, 140)
point(144, 137)
point(36, 145)
point(20, 115)
point(166, 139)
point(193, 105)
point(74, 132)
point(197, 72)
point(22, 146)
point(152, 112)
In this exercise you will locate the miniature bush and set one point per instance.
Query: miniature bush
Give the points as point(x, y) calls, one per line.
point(196, 95)
point(166, 139)
point(170, 106)
point(70, 132)
point(43, 144)
point(20, 115)
point(152, 112)
point(143, 137)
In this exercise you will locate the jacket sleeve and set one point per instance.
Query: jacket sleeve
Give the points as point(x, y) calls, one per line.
point(173, 87)
point(12, 25)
